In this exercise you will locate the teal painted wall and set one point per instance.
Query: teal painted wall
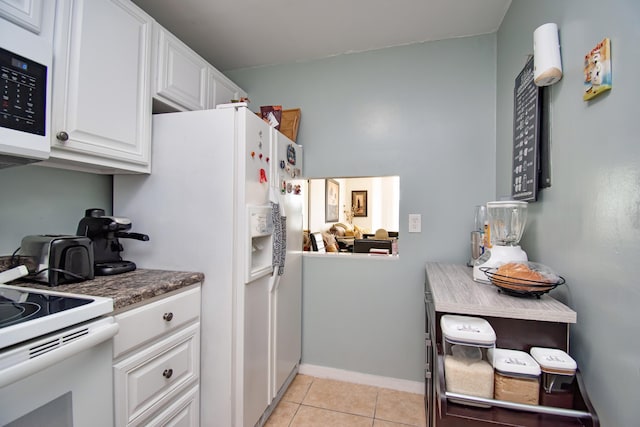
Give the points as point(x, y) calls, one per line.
point(424, 112)
point(40, 200)
point(587, 225)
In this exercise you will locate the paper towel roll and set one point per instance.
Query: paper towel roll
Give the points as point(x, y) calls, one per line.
point(547, 66)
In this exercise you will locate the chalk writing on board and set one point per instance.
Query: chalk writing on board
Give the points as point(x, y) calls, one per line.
point(526, 129)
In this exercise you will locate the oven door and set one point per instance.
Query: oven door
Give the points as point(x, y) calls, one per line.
point(69, 385)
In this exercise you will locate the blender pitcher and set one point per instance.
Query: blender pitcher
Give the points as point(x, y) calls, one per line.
point(507, 220)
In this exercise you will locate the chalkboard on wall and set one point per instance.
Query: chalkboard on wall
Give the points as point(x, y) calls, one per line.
point(527, 106)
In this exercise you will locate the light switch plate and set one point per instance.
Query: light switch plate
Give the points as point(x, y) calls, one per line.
point(415, 223)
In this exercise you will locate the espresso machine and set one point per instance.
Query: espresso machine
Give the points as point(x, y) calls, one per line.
point(105, 231)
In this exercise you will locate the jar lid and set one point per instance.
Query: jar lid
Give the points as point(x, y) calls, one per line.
point(467, 330)
point(554, 360)
point(514, 362)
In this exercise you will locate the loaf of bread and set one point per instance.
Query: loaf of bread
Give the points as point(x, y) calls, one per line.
point(518, 272)
point(519, 276)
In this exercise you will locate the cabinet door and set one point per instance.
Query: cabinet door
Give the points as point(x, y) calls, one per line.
point(255, 357)
point(221, 89)
point(26, 13)
point(180, 74)
point(101, 92)
point(154, 377)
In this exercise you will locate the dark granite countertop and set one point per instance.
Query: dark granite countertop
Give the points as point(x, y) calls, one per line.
point(126, 289)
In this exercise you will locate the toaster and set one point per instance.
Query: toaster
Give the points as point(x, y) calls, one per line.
point(59, 259)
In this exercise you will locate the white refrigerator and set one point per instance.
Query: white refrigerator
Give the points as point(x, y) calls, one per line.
point(221, 181)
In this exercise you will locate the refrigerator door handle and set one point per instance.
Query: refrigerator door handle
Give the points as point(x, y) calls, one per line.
point(274, 281)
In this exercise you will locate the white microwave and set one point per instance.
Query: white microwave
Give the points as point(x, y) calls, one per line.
point(25, 90)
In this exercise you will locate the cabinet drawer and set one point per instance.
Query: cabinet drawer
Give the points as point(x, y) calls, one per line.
point(156, 375)
point(143, 324)
point(185, 411)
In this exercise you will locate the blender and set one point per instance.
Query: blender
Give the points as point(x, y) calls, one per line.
point(507, 220)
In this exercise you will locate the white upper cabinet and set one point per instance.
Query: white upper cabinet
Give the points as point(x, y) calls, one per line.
point(183, 80)
point(26, 13)
point(180, 74)
point(221, 89)
point(101, 117)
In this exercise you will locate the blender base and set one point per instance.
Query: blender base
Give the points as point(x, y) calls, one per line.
point(498, 255)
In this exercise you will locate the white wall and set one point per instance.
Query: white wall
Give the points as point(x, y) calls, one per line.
point(587, 225)
point(385, 208)
point(383, 195)
point(316, 198)
point(425, 113)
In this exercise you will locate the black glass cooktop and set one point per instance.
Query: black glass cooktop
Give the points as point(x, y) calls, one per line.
point(17, 306)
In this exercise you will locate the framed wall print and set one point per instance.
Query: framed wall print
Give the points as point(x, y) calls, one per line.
point(331, 200)
point(597, 70)
point(359, 203)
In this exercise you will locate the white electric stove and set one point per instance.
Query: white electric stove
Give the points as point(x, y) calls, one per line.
point(55, 357)
point(27, 313)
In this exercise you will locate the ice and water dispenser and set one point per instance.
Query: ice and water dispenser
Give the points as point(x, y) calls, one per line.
point(260, 259)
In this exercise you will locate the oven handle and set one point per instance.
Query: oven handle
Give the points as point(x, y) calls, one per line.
point(29, 367)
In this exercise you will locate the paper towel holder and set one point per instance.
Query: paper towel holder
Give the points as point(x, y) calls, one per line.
point(547, 65)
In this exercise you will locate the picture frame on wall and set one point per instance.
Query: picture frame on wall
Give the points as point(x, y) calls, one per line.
point(331, 200)
point(597, 70)
point(359, 203)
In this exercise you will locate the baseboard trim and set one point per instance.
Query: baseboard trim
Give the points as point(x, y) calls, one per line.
point(361, 378)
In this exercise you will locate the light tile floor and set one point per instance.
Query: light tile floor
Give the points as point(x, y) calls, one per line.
point(310, 402)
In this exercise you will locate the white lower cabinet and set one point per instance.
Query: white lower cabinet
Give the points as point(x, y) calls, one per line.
point(156, 368)
point(184, 412)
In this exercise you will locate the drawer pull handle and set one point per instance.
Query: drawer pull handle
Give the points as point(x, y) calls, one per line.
point(167, 373)
point(167, 316)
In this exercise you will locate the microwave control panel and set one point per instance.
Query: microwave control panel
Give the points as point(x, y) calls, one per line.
point(23, 85)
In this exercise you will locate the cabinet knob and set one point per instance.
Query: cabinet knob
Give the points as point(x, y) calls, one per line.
point(62, 136)
point(167, 316)
point(167, 373)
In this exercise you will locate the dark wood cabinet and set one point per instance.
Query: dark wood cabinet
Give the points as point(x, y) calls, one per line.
point(519, 324)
